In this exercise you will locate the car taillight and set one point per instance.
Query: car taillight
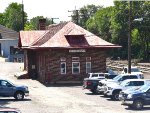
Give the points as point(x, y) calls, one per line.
point(88, 83)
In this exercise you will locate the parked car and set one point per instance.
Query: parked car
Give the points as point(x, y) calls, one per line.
point(96, 75)
point(136, 98)
point(91, 82)
point(93, 79)
point(9, 110)
point(134, 70)
point(8, 89)
point(118, 79)
point(113, 90)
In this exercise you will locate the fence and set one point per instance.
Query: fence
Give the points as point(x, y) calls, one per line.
point(119, 64)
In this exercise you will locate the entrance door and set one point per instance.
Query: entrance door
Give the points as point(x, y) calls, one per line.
point(42, 68)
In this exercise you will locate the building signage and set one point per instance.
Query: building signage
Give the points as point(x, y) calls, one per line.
point(77, 51)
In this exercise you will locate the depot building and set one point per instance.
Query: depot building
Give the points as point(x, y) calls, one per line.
point(63, 52)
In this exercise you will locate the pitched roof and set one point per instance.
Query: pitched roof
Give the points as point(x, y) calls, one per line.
point(7, 33)
point(63, 35)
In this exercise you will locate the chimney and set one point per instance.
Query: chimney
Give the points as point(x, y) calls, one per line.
point(42, 24)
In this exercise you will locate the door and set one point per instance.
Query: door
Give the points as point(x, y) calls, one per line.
point(147, 97)
point(42, 68)
point(6, 89)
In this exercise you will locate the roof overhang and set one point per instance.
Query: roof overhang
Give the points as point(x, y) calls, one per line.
point(78, 47)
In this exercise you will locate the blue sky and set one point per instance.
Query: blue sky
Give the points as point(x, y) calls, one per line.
point(53, 8)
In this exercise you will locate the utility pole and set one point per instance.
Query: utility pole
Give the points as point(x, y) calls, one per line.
point(129, 37)
point(76, 16)
point(53, 20)
point(22, 15)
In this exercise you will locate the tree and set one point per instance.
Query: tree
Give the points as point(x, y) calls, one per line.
point(83, 14)
point(100, 23)
point(111, 24)
point(13, 17)
point(34, 22)
point(1, 18)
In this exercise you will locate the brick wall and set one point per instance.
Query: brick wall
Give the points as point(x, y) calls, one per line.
point(52, 64)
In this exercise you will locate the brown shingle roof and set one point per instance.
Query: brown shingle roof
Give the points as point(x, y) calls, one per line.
point(56, 36)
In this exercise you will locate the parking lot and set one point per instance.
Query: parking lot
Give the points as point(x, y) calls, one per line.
point(60, 98)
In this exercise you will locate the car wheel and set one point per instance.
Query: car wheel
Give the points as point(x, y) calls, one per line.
point(105, 95)
point(19, 95)
point(138, 104)
point(115, 96)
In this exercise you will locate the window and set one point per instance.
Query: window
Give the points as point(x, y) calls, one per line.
point(12, 50)
point(4, 83)
point(63, 67)
point(75, 67)
point(88, 67)
point(139, 83)
point(129, 77)
point(94, 75)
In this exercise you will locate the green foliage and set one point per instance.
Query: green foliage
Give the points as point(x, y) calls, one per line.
point(29, 27)
point(34, 22)
point(13, 17)
point(1, 18)
point(83, 14)
point(111, 24)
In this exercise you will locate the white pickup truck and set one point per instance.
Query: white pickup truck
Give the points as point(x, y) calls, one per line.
point(134, 70)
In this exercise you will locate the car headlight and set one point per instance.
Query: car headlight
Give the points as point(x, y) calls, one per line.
point(129, 96)
point(26, 88)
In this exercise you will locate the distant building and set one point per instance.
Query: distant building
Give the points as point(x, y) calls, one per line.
point(63, 52)
point(8, 45)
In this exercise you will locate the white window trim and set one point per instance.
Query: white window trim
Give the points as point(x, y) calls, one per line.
point(86, 66)
point(75, 59)
point(72, 67)
point(65, 68)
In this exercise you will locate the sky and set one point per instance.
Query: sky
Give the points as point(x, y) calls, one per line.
point(53, 8)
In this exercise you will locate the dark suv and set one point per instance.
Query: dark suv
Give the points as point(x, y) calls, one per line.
point(8, 89)
point(136, 98)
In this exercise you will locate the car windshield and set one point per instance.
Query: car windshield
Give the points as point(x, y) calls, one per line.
point(102, 75)
point(135, 70)
point(111, 71)
point(117, 77)
point(10, 82)
point(144, 88)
